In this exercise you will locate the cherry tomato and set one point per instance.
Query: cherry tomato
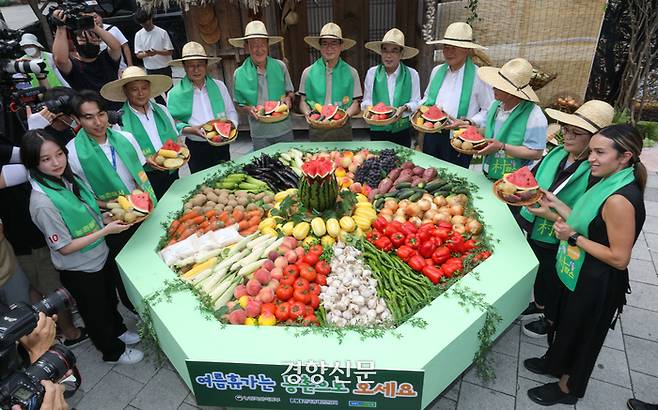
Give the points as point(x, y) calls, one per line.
point(308, 273)
point(301, 284)
point(323, 267)
point(311, 258)
point(302, 295)
point(321, 279)
point(284, 292)
point(282, 312)
point(316, 249)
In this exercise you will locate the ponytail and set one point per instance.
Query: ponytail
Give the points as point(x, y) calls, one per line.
point(640, 173)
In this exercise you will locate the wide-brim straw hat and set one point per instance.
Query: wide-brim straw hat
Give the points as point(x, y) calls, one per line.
point(193, 51)
point(329, 31)
point(30, 39)
point(591, 116)
point(513, 78)
point(459, 35)
point(255, 29)
point(113, 91)
point(396, 38)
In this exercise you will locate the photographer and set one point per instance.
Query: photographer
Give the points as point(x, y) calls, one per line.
point(34, 50)
point(92, 68)
point(59, 123)
point(13, 283)
point(94, 11)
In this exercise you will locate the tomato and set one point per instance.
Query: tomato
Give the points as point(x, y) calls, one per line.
point(287, 280)
point(323, 267)
point(268, 307)
point(321, 279)
point(282, 312)
point(301, 284)
point(296, 310)
point(311, 319)
point(308, 273)
point(315, 301)
point(284, 292)
point(308, 310)
point(311, 258)
point(302, 295)
point(291, 270)
point(316, 250)
point(314, 288)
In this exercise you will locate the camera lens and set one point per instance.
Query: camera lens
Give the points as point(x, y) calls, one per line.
point(56, 301)
point(52, 365)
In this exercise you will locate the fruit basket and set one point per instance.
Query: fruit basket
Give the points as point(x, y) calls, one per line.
point(519, 188)
point(429, 119)
point(327, 117)
point(565, 103)
point(131, 209)
point(540, 78)
point(170, 157)
point(381, 115)
point(220, 132)
point(468, 141)
point(272, 112)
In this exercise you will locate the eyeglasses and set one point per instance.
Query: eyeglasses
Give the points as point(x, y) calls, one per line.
point(330, 44)
point(574, 131)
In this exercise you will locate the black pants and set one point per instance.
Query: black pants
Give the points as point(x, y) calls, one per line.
point(204, 155)
point(163, 71)
point(116, 242)
point(548, 286)
point(401, 137)
point(438, 145)
point(97, 304)
point(161, 181)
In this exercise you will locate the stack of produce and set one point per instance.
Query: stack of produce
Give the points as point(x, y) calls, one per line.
point(406, 181)
point(272, 111)
point(171, 156)
point(277, 176)
point(429, 119)
point(518, 188)
point(243, 182)
point(220, 132)
point(327, 116)
point(131, 208)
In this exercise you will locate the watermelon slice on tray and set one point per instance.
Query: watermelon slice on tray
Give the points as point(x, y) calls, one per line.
point(141, 202)
point(380, 114)
point(468, 140)
point(519, 188)
point(170, 157)
point(272, 111)
point(327, 116)
point(429, 119)
point(222, 132)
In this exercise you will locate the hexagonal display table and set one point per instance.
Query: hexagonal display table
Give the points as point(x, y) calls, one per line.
point(443, 349)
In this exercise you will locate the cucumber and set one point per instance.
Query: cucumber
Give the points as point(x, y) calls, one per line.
point(405, 193)
point(415, 197)
point(391, 194)
point(403, 185)
point(378, 203)
point(434, 184)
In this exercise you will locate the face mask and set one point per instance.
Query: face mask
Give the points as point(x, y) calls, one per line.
point(31, 51)
point(88, 50)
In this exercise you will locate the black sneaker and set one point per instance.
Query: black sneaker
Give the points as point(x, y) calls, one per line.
point(634, 404)
point(550, 394)
point(537, 365)
point(536, 329)
point(532, 312)
point(75, 342)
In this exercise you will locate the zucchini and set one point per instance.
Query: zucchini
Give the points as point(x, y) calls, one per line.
point(416, 196)
point(403, 185)
point(405, 193)
point(434, 184)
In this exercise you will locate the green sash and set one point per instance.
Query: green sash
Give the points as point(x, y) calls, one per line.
point(342, 84)
point(512, 132)
point(101, 174)
point(542, 229)
point(570, 259)
point(401, 96)
point(181, 98)
point(77, 217)
point(467, 86)
point(133, 125)
point(52, 79)
point(246, 82)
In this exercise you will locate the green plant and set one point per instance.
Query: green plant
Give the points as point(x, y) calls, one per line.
point(472, 6)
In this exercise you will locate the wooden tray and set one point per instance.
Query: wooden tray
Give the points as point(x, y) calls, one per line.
point(151, 161)
point(367, 114)
point(465, 151)
point(328, 125)
point(527, 202)
point(426, 130)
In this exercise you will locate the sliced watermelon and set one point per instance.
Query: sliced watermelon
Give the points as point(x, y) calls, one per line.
point(141, 201)
point(270, 106)
point(471, 134)
point(381, 108)
point(328, 111)
point(522, 178)
point(318, 168)
point(171, 145)
point(223, 128)
point(434, 114)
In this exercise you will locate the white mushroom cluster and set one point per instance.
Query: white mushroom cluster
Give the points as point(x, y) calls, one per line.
point(350, 296)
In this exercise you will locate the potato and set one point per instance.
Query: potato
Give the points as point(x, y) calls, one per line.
point(199, 200)
point(172, 163)
point(217, 191)
point(129, 217)
point(228, 208)
point(212, 197)
point(231, 197)
point(219, 207)
point(118, 212)
point(224, 192)
point(267, 199)
point(207, 208)
point(160, 160)
point(210, 204)
point(187, 206)
point(232, 203)
point(243, 200)
point(239, 208)
point(259, 195)
point(251, 207)
point(197, 209)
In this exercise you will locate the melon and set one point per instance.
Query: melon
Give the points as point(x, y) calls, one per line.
point(270, 106)
point(171, 145)
point(140, 201)
point(318, 188)
point(434, 114)
point(223, 128)
point(381, 108)
point(522, 178)
point(470, 134)
point(328, 111)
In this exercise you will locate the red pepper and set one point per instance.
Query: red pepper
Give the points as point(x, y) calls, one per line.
point(433, 273)
point(442, 233)
point(468, 245)
point(456, 242)
point(425, 231)
point(440, 255)
point(405, 252)
point(384, 243)
point(374, 235)
point(391, 229)
point(444, 224)
point(398, 239)
point(409, 228)
point(451, 266)
point(411, 241)
point(426, 248)
point(380, 223)
point(416, 263)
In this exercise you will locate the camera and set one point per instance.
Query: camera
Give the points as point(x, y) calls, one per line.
point(72, 11)
point(24, 388)
point(10, 50)
point(31, 97)
point(114, 117)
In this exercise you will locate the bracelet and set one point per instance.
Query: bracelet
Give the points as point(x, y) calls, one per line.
point(504, 146)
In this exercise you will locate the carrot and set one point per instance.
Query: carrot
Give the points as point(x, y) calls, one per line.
point(223, 217)
point(181, 228)
point(255, 212)
point(254, 220)
point(186, 233)
point(204, 224)
point(242, 225)
point(189, 215)
point(238, 215)
point(210, 214)
point(172, 228)
point(249, 230)
point(199, 219)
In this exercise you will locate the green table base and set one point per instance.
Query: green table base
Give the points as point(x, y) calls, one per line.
point(444, 349)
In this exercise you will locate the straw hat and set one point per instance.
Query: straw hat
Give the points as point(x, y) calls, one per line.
point(513, 78)
point(30, 39)
point(330, 31)
point(591, 116)
point(395, 37)
point(459, 35)
point(193, 51)
point(113, 91)
point(255, 29)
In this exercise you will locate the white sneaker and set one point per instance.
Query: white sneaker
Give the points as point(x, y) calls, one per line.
point(130, 338)
point(129, 356)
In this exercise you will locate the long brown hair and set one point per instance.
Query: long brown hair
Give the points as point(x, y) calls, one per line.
point(627, 138)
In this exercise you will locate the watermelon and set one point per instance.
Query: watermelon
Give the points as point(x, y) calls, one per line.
point(434, 114)
point(318, 188)
point(328, 111)
point(471, 134)
point(141, 201)
point(522, 178)
point(270, 106)
point(171, 145)
point(223, 128)
point(381, 108)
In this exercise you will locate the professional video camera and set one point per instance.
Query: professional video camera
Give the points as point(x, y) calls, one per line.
point(10, 50)
point(72, 10)
point(24, 387)
point(35, 98)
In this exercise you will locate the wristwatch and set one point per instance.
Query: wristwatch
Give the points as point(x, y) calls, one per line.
point(573, 239)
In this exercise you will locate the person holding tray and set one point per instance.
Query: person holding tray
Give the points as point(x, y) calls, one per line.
point(565, 172)
point(394, 84)
point(65, 210)
point(455, 88)
point(596, 240)
point(330, 80)
point(149, 122)
point(197, 99)
point(515, 125)
point(259, 79)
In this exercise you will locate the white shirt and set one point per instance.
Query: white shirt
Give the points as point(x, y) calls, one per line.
point(121, 168)
point(535, 130)
point(120, 38)
point(450, 92)
point(202, 110)
point(391, 80)
point(156, 39)
point(148, 122)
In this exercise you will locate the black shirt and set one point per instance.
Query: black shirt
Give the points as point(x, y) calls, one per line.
point(94, 75)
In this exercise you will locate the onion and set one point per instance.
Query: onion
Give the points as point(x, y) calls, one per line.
point(453, 200)
point(458, 219)
point(474, 227)
point(456, 209)
point(426, 221)
point(428, 197)
point(430, 214)
point(439, 200)
point(387, 211)
point(400, 218)
point(391, 204)
point(412, 210)
point(459, 228)
point(389, 218)
point(415, 220)
point(424, 205)
point(441, 216)
point(462, 198)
